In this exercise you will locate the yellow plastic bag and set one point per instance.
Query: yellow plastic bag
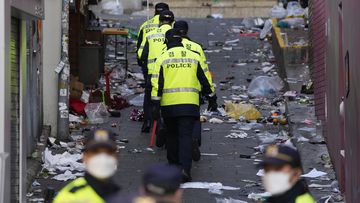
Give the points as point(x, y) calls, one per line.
point(237, 110)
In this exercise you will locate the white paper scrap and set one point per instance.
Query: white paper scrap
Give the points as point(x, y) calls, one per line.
point(314, 174)
point(62, 162)
point(260, 173)
point(216, 120)
point(67, 176)
point(214, 188)
point(230, 200)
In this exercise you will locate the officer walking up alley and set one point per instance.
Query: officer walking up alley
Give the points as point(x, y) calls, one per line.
point(177, 80)
point(183, 28)
point(149, 26)
point(283, 168)
point(100, 159)
point(153, 44)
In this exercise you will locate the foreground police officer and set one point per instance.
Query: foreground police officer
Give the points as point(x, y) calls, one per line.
point(160, 184)
point(100, 159)
point(183, 28)
point(176, 83)
point(153, 47)
point(283, 168)
point(149, 26)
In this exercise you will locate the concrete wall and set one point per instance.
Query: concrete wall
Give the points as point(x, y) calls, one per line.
point(5, 99)
point(51, 57)
point(228, 8)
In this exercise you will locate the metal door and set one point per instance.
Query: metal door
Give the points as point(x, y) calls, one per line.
point(33, 121)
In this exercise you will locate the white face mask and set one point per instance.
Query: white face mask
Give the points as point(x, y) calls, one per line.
point(101, 166)
point(277, 183)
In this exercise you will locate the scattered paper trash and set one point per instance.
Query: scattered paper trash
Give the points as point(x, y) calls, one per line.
point(232, 41)
point(228, 200)
point(237, 135)
point(214, 188)
point(35, 183)
point(259, 196)
point(208, 154)
point(216, 120)
point(260, 173)
point(302, 139)
point(314, 185)
point(227, 49)
point(268, 68)
point(62, 162)
point(290, 94)
point(314, 174)
point(73, 118)
point(67, 176)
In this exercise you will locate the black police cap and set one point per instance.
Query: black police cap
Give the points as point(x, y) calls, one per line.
point(159, 7)
point(162, 180)
point(166, 16)
point(278, 155)
point(100, 138)
point(182, 26)
point(173, 34)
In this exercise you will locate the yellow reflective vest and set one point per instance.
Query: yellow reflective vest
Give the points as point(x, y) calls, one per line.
point(197, 48)
point(78, 191)
point(305, 198)
point(178, 78)
point(154, 45)
point(145, 28)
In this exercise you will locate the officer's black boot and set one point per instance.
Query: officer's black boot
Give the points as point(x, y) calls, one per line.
point(196, 155)
point(146, 126)
point(186, 176)
point(160, 136)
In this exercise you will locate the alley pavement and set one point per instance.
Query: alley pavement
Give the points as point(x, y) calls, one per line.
point(224, 160)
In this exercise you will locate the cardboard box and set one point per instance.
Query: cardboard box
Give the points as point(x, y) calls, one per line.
point(76, 88)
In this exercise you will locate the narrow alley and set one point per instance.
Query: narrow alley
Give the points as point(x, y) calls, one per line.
point(235, 60)
point(114, 101)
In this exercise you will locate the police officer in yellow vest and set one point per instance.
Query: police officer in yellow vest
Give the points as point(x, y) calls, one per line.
point(183, 28)
point(149, 26)
point(177, 80)
point(153, 47)
point(189, 44)
point(100, 159)
point(283, 168)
